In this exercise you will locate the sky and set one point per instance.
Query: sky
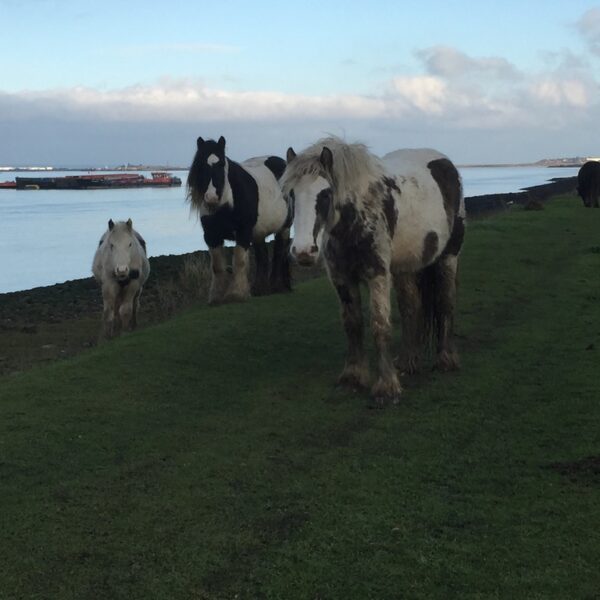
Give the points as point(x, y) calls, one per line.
point(89, 83)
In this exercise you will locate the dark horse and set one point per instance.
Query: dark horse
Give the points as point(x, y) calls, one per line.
point(396, 221)
point(241, 202)
point(588, 183)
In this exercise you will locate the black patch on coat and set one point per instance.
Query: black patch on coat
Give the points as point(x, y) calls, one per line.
point(323, 203)
point(383, 189)
point(276, 165)
point(456, 237)
point(141, 240)
point(351, 248)
point(588, 183)
point(448, 180)
point(343, 293)
point(234, 223)
point(430, 247)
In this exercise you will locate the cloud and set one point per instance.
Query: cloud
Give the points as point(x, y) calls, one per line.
point(451, 63)
point(455, 95)
point(589, 27)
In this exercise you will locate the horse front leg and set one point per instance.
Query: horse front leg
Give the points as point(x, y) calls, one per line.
point(109, 297)
point(219, 276)
point(446, 272)
point(261, 256)
point(387, 388)
point(239, 290)
point(356, 368)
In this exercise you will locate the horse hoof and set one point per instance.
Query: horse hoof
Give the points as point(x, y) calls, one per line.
point(354, 379)
point(447, 361)
point(385, 393)
point(235, 297)
point(408, 366)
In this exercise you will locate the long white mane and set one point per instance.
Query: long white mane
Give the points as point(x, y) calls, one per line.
point(353, 169)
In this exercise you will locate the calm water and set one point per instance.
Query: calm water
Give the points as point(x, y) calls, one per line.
point(50, 236)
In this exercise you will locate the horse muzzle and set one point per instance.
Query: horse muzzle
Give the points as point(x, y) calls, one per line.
point(305, 257)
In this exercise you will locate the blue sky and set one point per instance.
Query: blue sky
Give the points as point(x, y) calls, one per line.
point(108, 82)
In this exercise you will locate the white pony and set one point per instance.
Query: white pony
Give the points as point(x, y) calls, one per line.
point(396, 221)
point(121, 267)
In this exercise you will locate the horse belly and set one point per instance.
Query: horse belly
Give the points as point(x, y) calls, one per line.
point(272, 208)
point(422, 231)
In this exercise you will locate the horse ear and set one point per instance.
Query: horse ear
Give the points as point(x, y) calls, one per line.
point(111, 224)
point(199, 142)
point(327, 158)
point(290, 155)
point(129, 224)
point(221, 144)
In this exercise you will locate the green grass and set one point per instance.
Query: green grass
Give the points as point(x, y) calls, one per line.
point(211, 456)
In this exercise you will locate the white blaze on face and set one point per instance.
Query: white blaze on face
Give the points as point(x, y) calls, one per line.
point(305, 216)
point(211, 196)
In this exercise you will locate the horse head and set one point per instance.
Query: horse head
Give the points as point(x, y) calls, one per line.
point(123, 248)
point(208, 174)
point(312, 208)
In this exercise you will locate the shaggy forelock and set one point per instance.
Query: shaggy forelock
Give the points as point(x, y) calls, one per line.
point(354, 167)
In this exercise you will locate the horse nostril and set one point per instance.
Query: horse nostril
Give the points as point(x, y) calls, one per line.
point(294, 250)
point(314, 249)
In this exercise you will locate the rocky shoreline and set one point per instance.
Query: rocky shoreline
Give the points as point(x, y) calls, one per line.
point(50, 322)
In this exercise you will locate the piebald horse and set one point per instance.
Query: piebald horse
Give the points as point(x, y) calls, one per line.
point(241, 202)
point(395, 221)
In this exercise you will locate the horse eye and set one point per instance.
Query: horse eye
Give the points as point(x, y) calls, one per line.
point(112, 246)
point(130, 244)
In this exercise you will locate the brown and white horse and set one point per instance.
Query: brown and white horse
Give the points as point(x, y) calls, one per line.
point(395, 221)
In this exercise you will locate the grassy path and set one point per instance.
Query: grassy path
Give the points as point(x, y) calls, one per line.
point(211, 457)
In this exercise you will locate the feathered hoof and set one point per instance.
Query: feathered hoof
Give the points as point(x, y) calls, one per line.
point(447, 361)
point(216, 301)
point(235, 297)
point(354, 377)
point(410, 365)
point(385, 393)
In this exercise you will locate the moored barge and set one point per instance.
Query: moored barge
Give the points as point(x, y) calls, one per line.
point(94, 182)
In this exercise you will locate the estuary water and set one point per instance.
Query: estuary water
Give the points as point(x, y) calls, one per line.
point(50, 236)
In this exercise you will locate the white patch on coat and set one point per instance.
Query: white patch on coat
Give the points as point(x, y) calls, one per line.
point(272, 207)
point(212, 159)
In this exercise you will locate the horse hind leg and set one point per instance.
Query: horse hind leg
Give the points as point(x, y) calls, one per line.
point(261, 256)
point(411, 313)
point(446, 271)
point(281, 279)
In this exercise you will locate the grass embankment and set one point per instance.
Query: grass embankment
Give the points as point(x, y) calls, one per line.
point(211, 457)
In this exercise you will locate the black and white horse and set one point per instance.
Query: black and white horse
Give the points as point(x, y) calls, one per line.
point(392, 221)
point(243, 203)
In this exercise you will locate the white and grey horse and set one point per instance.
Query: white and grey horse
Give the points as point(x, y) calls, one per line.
point(121, 267)
point(241, 202)
point(395, 221)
